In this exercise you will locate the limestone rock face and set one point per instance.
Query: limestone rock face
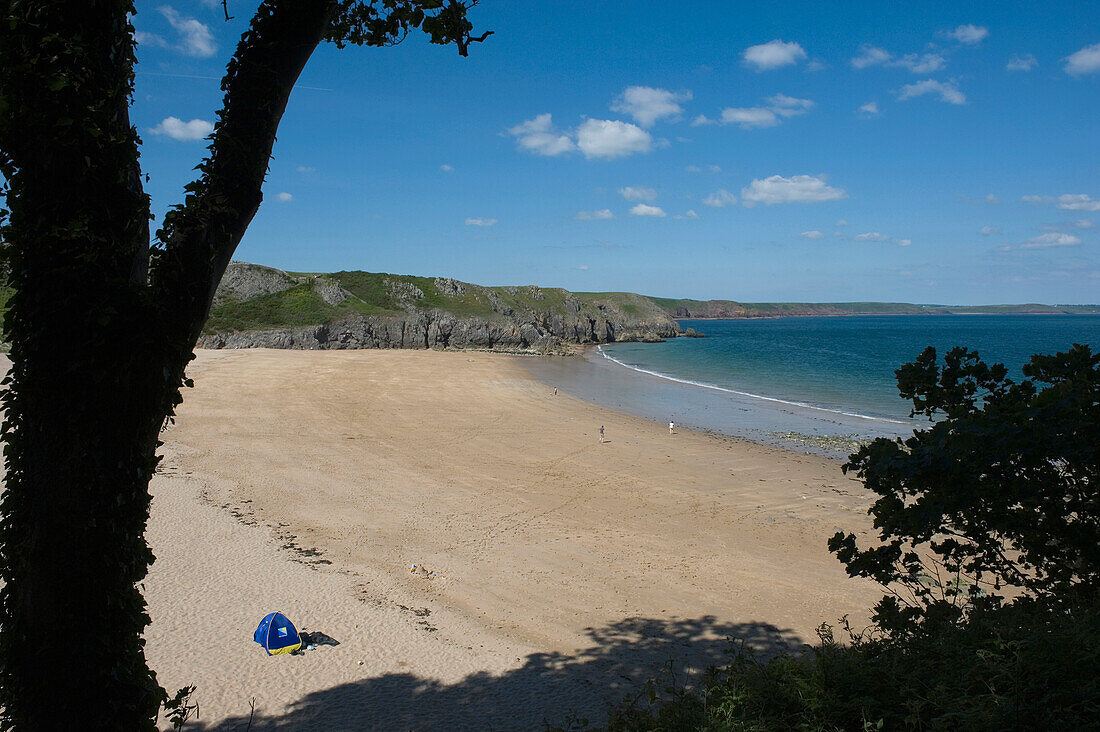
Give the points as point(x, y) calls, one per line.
point(514, 319)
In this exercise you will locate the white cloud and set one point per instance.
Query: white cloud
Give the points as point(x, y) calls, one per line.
point(871, 56)
point(693, 169)
point(645, 210)
point(284, 197)
point(1083, 224)
point(991, 198)
point(638, 193)
point(813, 234)
point(968, 34)
point(988, 230)
point(480, 222)
point(1078, 202)
point(538, 136)
point(904, 242)
point(779, 107)
point(177, 129)
point(1022, 62)
point(796, 189)
point(917, 63)
point(647, 104)
point(1043, 241)
point(786, 106)
point(150, 39)
point(773, 55)
point(870, 109)
point(610, 139)
point(842, 222)
point(582, 267)
point(446, 168)
point(720, 199)
point(603, 213)
point(748, 118)
point(195, 38)
point(714, 169)
point(305, 169)
point(689, 214)
point(871, 236)
point(946, 89)
point(1085, 61)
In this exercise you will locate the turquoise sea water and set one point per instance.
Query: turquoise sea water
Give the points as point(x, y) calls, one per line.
point(818, 376)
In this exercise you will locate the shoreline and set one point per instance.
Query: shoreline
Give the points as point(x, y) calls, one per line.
point(600, 379)
point(309, 481)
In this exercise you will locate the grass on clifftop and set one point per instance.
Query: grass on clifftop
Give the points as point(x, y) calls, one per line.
point(296, 307)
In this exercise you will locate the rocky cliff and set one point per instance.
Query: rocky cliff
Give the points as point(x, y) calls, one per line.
point(261, 307)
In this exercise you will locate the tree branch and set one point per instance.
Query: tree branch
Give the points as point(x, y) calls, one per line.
point(200, 236)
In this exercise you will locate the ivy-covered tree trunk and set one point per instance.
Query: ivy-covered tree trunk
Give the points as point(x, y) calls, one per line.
point(101, 327)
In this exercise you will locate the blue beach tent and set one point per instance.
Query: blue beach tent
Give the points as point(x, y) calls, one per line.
point(277, 635)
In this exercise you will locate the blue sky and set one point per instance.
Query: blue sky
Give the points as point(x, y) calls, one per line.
point(920, 152)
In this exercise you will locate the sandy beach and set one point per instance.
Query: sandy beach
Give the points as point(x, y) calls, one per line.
point(560, 571)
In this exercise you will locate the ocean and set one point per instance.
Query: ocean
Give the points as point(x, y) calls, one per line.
point(816, 384)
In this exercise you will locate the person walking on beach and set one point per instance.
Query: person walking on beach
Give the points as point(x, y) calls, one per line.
point(601, 433)
point(671, 428)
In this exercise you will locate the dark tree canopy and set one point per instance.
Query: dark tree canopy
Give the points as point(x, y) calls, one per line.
point(103, 323)
point(998, 500)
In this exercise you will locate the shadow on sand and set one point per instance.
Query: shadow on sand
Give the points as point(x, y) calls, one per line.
point(548, 687)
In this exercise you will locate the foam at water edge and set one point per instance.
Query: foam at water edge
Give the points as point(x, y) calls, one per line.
point(704, 385)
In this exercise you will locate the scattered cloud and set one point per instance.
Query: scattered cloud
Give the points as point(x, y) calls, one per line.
point(917, 63)
point(285, 197)
point(842, 222)
point(1085, 61)
point(947, 91)
point(812, 234)
point(874, 236)
point(177, 129)
point(1043, 241)
point(645, 210)
point(991, 198)
point(870, 109)
point(1078, 202)
point(195, 39)
point(305, 169)
point(603, 213)
point(150, 39)
point(1022, 62)
point(689, 214)
point(480, 222)
point(871, 236)
point(720, 199)
point(446, 168)
point(1083, 224)
point(538, 136)
point(773, 55)
point(638, 193)
point(647, 105)
point(610, 139)
point(796, 189)
point(1067, 201)
point(779, 107)
point(871, 56)
point(989, 230)
point(970, 35)
point(582, 267)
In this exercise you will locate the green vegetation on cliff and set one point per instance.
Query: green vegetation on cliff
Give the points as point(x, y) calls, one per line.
point(256, 298)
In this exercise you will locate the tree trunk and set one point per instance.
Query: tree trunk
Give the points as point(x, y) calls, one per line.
point(100, 338)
